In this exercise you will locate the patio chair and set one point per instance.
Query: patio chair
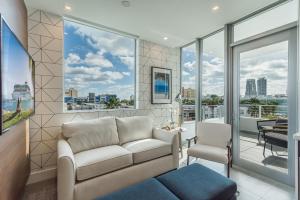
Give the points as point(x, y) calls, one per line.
point(213, 142)
point(262, 124)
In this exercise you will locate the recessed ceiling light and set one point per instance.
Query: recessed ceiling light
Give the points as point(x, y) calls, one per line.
point(215, 8)
point(126, 3)
point(166, 38)
point(68, 8)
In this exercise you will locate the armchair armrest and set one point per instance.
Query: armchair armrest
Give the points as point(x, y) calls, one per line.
point(229, 151)
point(170, 137)
point(190, 139)
point(65, 171)
point(229, 144)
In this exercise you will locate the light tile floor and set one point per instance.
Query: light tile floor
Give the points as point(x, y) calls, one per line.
point(252, 150)
point(251, 186)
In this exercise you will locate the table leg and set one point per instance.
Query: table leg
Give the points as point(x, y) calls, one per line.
point(180, 143)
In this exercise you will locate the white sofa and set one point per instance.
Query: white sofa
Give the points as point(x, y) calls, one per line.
point(99, 156)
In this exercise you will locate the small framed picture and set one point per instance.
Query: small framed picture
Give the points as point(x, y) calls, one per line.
point(161, 85)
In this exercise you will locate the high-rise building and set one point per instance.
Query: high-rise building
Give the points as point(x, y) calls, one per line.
point(250, 88)
point(92, 97)
point(131, 98)
point(71, 92)
point(188, 93)
point(262, 87)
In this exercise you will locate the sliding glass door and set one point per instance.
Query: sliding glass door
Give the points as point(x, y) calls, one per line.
point(265, 104)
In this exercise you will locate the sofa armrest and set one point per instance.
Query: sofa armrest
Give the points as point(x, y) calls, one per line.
point(170, 137)
point(65, 171)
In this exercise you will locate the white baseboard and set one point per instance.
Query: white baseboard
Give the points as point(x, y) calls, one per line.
point(42, 175)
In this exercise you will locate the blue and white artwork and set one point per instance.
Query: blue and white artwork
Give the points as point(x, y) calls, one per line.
point(161, 85)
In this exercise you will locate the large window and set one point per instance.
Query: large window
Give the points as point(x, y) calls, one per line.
point(188, 89)
point(99, 68)
point(213, 78)
point(275, 17)
point(188, 81)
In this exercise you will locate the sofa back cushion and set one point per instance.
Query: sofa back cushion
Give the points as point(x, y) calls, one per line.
point(134, 128)
point(90, 134)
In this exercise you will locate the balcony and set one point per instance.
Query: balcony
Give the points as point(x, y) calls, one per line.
point(250, 148)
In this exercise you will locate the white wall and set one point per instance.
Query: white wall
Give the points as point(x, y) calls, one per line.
point(45, 45)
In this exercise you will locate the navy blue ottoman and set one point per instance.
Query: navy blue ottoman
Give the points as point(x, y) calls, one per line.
point(151, 189)
point(196, 182)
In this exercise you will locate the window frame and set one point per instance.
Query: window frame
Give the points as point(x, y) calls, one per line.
point(109, 30)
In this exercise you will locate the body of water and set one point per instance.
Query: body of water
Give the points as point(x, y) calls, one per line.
point(11, 105)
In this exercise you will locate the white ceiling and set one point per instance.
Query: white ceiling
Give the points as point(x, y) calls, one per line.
point(180, 20)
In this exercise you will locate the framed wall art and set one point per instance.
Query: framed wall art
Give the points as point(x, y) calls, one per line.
point(161, 85)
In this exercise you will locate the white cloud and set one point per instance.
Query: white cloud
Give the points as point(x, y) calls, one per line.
point(129, 61)
point(110, 42)
point(185, 73)
point(97, 60)
point(79, 75)
point(190, 65)
point(73, 59)
point(91, 59)
point(126, 73)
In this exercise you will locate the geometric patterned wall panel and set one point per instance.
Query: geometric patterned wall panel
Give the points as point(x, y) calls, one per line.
point(45, 41)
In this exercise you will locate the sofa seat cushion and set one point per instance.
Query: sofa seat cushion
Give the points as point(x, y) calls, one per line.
point(100, 161)
point(208, 152)
point(148, 149)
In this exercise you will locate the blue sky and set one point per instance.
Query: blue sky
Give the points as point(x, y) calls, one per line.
point(98, 61)
point(213, 71)
point(15, 64)
point(189, 66)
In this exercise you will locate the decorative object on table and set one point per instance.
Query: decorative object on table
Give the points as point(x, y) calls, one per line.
point(161, 85)
point(178, 99)
point(172, 122)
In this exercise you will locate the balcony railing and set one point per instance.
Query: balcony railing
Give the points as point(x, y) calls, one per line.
point(264, 111)
point(246, 110)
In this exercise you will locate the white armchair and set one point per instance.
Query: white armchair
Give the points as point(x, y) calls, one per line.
point(212, 142)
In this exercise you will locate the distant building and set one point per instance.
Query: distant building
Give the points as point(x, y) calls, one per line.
point(280, 96)
point(262, 87)
point(250, 88)
point(71, 92)
point(104, 98)
point(92, 97)
point(188, 112)
point(188, 93)
point(131, 98)
point(69, 100)
point(81, 100)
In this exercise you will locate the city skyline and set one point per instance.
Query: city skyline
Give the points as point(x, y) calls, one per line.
point(270, 62)
point(72, 92)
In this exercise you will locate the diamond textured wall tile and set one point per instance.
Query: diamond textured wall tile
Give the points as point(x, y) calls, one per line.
point(45, 35)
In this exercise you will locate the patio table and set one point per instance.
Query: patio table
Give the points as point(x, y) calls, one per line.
point(275, 135)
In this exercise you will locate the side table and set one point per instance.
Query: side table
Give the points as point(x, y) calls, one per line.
point(180, 130)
